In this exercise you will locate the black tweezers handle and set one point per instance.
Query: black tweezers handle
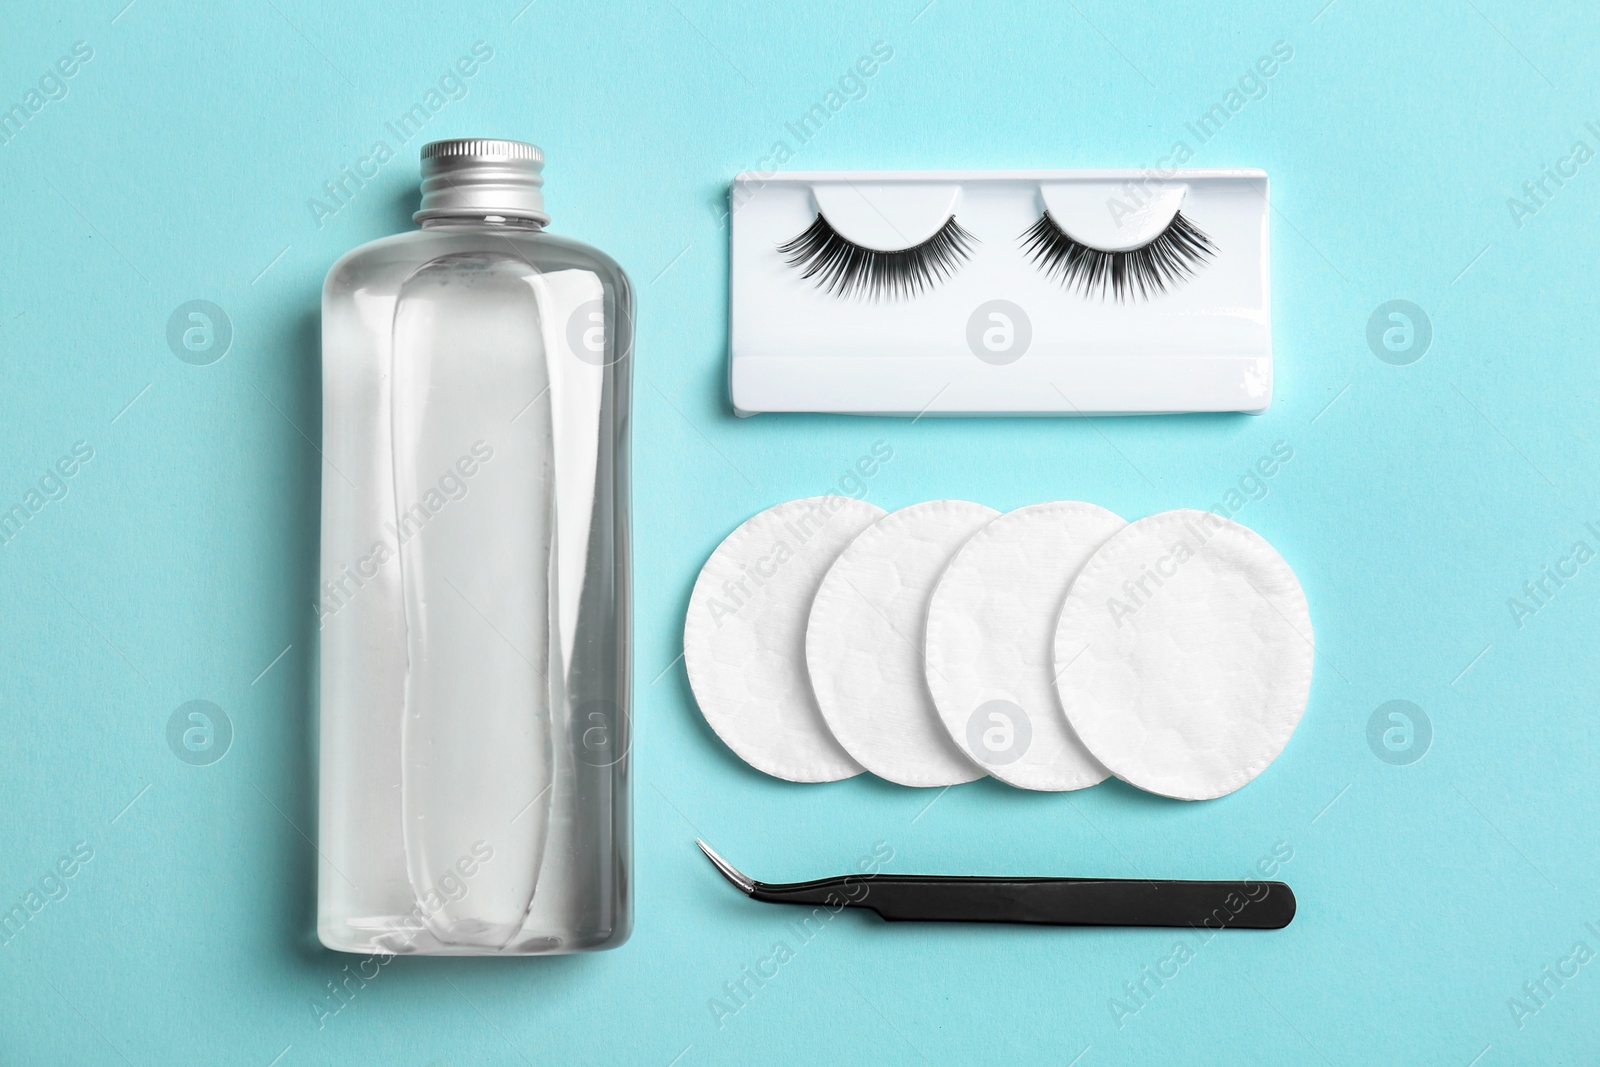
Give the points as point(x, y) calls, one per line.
point(1243, 905)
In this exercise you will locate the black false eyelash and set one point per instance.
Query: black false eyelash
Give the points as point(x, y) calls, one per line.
point(846, 269)
point(1147, 271)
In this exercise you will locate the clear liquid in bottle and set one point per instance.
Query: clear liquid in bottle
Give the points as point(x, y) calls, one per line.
point(474, 616)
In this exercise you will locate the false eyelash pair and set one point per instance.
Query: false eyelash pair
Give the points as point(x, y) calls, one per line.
point(845, 269)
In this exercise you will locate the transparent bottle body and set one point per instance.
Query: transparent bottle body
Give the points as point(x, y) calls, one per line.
point(473, 620)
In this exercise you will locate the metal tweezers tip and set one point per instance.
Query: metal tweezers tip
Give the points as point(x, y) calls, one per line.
point(741, 881)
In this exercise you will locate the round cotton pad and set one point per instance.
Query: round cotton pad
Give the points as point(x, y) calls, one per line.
point(1183, 654)
point(864, 643)
point(991, 625)
point(744, 638)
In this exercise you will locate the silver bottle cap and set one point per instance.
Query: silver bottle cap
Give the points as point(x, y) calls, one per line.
point(473, 176)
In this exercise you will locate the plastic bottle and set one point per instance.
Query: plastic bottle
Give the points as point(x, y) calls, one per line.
point(474, 613)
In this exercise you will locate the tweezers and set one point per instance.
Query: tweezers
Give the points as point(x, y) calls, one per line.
point(1237, 905)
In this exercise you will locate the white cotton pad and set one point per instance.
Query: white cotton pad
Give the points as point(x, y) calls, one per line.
point(1184, 654)
point(744, 638)
point(864, 643)
point(991, 628)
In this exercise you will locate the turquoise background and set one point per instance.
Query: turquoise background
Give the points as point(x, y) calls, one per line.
point(180, 564)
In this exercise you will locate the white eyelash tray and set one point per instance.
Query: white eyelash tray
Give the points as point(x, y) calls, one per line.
point(1123, 311)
